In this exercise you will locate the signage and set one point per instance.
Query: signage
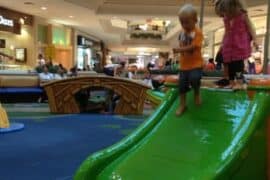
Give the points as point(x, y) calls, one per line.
point(6, 22)
point(83, 41)
point(10, 21)
point(87, 42)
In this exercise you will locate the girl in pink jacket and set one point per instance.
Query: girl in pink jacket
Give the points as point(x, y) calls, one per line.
point(236, 44)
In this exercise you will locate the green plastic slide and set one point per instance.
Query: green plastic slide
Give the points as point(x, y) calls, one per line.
point(224, 138)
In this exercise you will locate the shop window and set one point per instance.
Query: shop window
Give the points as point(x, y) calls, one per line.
point(42, 34)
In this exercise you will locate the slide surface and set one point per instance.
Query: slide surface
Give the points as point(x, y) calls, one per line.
point(220, 139)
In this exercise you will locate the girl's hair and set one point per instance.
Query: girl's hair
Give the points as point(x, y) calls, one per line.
point(229, 7)
point(189, 10)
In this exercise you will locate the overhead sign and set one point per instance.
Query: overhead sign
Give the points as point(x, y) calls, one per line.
point(6, 22)
point(10, 20)
point(83, 41)
point(87, 42)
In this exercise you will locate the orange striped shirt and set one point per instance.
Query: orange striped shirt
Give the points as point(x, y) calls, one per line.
point(191, 59)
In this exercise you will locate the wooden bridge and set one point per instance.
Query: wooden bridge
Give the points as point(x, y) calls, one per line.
point(61, 93)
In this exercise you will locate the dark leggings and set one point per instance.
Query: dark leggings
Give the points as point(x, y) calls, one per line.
point(236, 69)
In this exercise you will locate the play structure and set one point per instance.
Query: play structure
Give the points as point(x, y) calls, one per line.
point(61, 94)
point(224, 138)
point(155, 97)
point(4, 123)
point(5, 126)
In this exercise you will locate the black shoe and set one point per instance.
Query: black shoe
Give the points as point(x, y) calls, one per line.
point(222, 82)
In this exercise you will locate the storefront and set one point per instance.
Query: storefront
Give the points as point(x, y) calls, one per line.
point(88, 52)
point(54, 42)
point(67, 46)
point(16, 39)
point(85, 53)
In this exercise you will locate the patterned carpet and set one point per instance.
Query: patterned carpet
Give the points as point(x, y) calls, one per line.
point(51, 147)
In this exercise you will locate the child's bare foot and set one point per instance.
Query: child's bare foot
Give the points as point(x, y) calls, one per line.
point(180, 110)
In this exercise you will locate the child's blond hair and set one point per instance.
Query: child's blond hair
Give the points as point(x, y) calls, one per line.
point(188, 10)
point(229, 7)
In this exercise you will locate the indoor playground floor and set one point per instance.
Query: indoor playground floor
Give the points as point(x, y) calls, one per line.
point(52, 147)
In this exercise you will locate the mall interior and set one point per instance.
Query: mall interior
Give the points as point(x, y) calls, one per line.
point(91, 89)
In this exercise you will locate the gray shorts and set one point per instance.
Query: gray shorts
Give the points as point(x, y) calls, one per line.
point(188, 79)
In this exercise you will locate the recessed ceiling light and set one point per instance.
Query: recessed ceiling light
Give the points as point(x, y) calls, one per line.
point(28, 3)
point(167, 23)
point(43, 8)
point(259, 10)
point(71, 16)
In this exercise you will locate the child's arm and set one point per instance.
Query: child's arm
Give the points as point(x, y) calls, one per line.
point(196, 43)
point(183, 48)
point(251, 30)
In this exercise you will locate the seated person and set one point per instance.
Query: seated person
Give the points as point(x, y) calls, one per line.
point(210, 66)
point(62, 67)
point(132, 72)
point(158, 82)
point(60, 74)
point(147, 79)
point(73, 72)
point(121, 70)
point(109, 69)
point(118, 70)
point(45, 76)
point(150, 66)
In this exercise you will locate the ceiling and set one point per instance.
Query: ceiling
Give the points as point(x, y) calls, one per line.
point(106, 19)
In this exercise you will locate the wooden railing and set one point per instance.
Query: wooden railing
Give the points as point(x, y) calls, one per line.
point(61, 94)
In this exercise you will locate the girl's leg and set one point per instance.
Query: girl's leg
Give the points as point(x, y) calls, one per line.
point(231, 73)
point(226, 71)
point(239, 70)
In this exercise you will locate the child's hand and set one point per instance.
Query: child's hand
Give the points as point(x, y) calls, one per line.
point(256, 45)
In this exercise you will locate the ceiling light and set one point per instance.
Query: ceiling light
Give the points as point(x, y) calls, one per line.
point(71, 16)
point(28, 3)
point(143, 27)
point(144, 53)
point(167, 23)
point(119, 23)
point(258, 10)
point(142, 49)
point(43, 8)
